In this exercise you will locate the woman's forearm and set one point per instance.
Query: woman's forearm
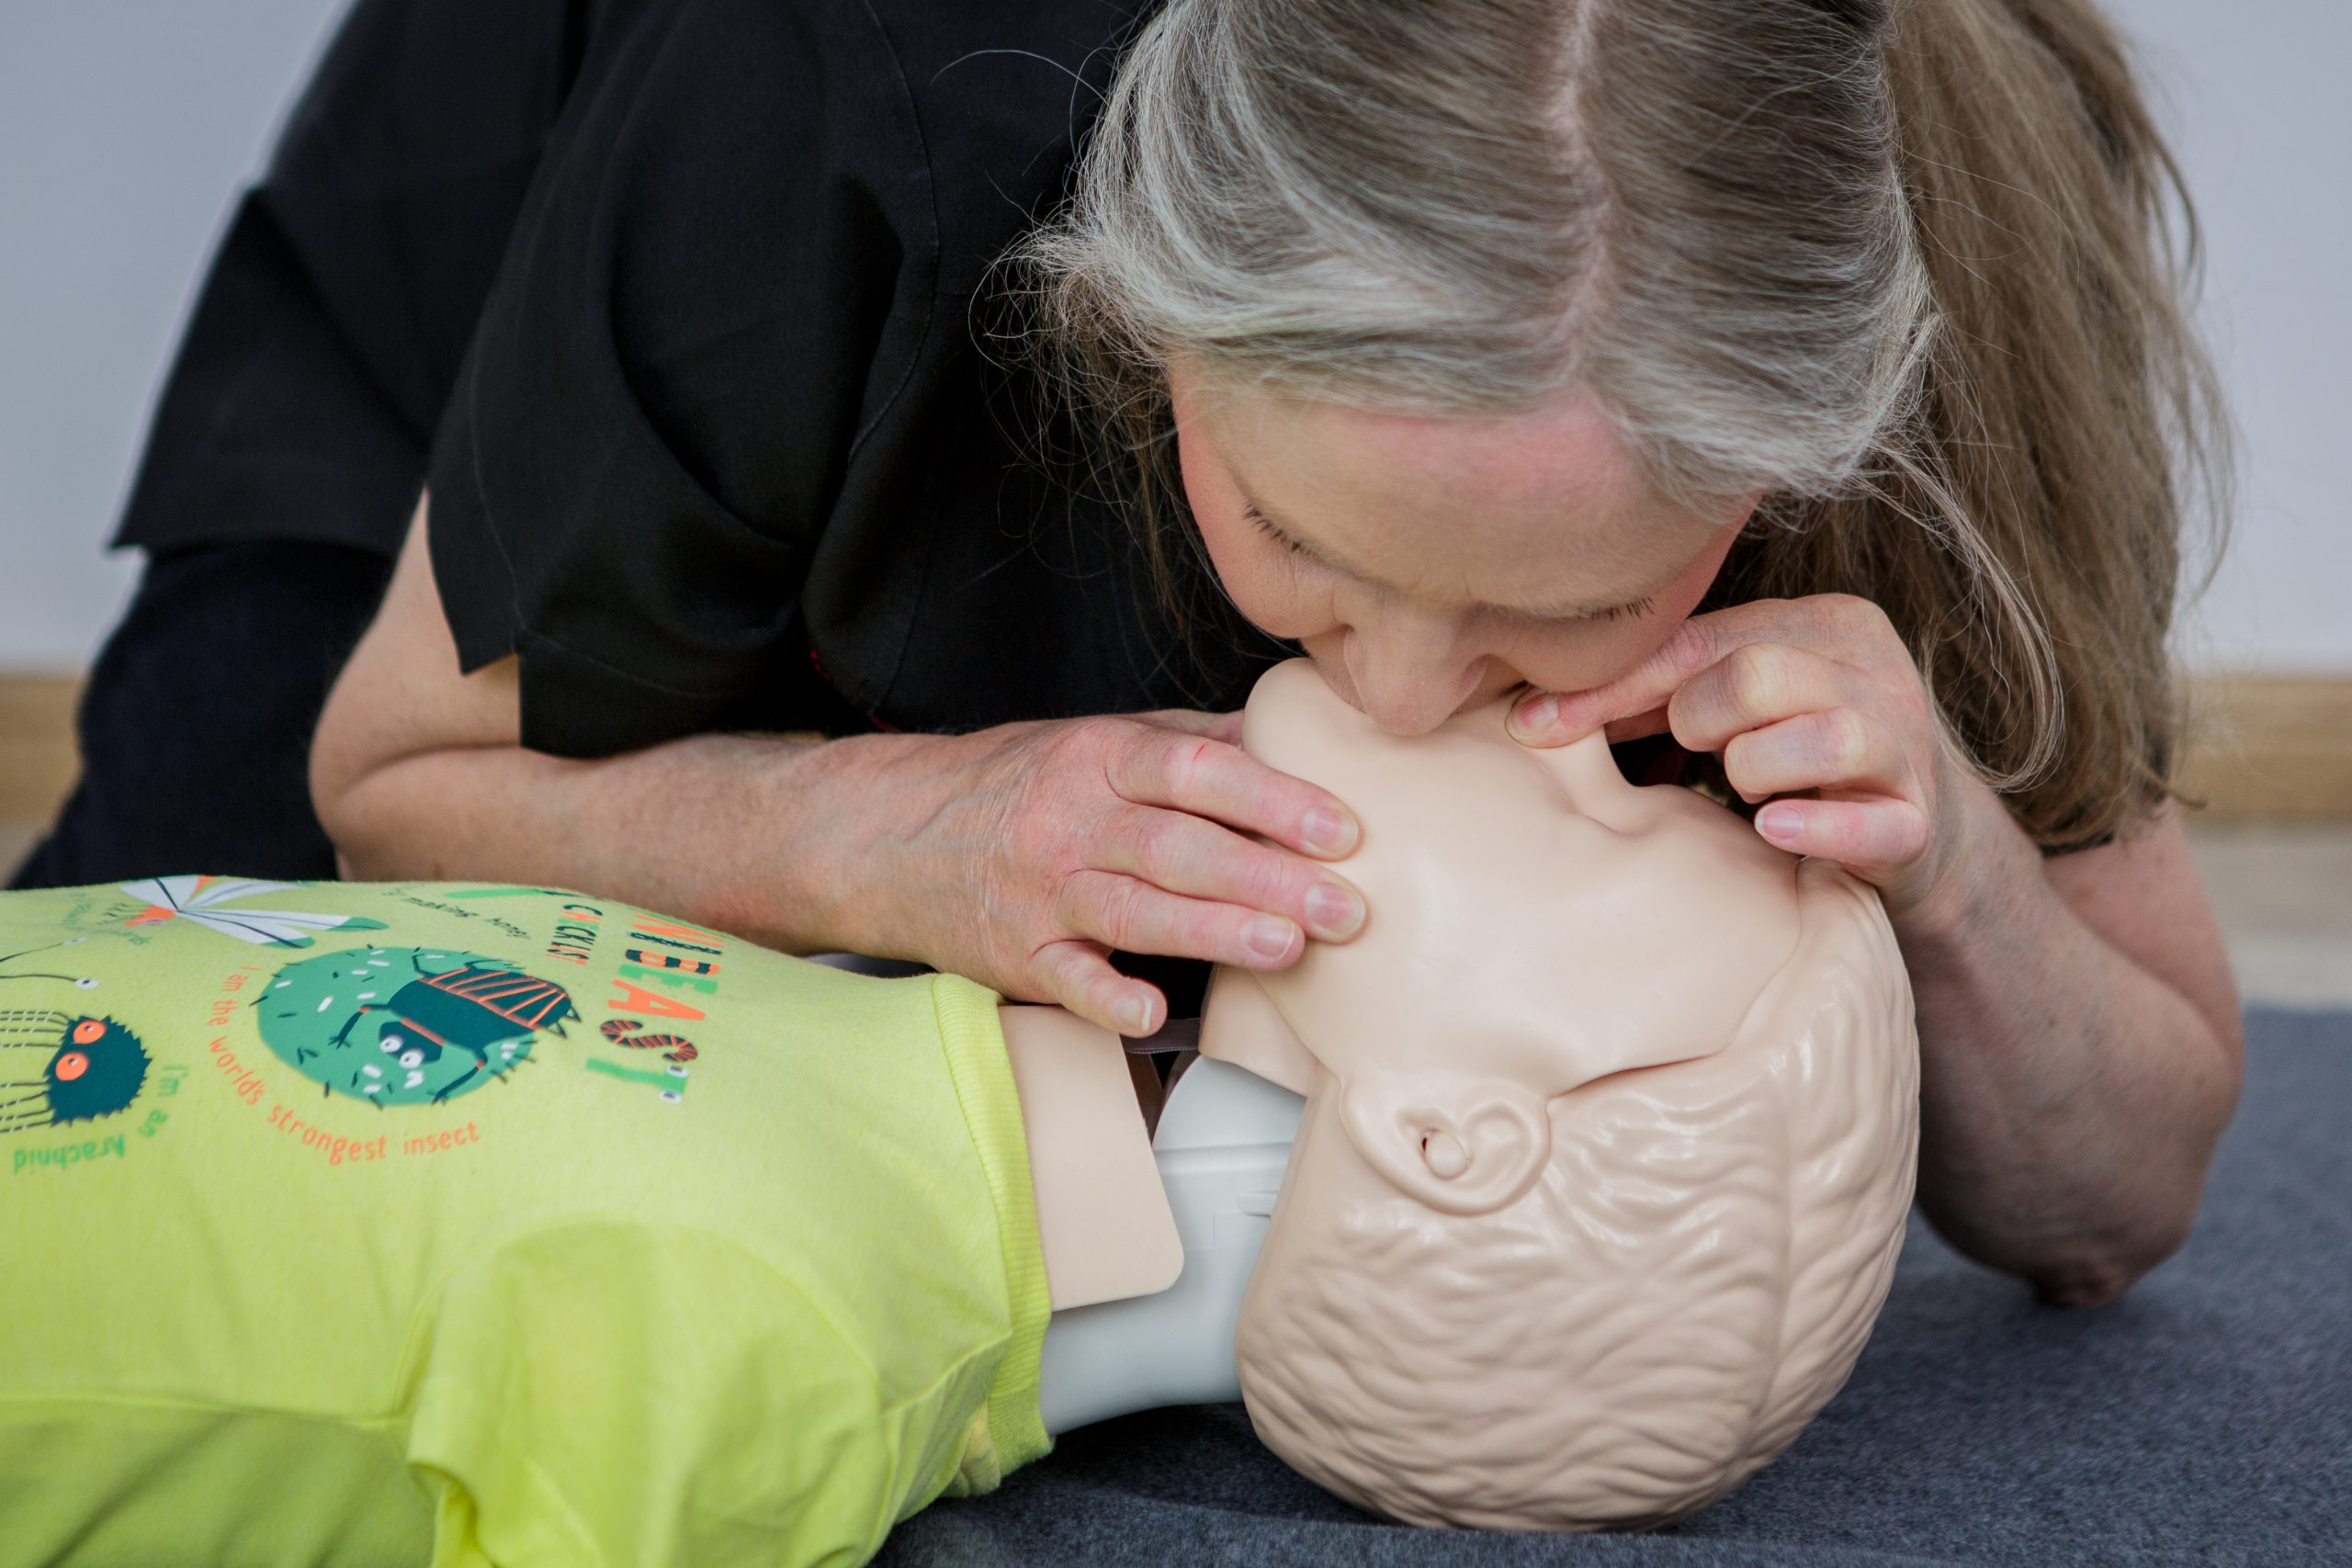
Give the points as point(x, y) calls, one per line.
point(744, 833)
point(2069, 1098)
point(417, 772)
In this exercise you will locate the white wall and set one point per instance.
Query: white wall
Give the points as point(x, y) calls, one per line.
point(126, 128)
point(2264, 127)
point(127, 125)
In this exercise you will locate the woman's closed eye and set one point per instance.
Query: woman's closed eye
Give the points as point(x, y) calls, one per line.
point(1300, 549)
point(1258, 520)
point(1638, 607)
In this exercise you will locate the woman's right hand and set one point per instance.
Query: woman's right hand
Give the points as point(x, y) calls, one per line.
point(1022, 854)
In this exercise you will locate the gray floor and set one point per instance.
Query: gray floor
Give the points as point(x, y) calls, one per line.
point(2284, 894)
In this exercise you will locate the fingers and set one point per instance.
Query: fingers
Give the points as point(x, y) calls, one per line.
point(1189, 856)
point(1555, 718)
point(1837, 627)
point(1836, 748)
point(1134, 916)
point(1862, 835)
point(1756, 685)
point(1079, 976)
point(1213, 778)
point(1149, 834)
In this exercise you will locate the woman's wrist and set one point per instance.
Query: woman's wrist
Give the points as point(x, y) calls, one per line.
point(830, 880)
point(1985, 869)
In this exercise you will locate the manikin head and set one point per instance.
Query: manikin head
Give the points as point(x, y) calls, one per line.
point(1610, 1136)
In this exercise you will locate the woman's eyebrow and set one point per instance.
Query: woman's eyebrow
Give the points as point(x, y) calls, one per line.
point(1563, 612)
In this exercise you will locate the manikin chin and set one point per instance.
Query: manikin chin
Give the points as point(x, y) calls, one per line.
point(1609, 1130)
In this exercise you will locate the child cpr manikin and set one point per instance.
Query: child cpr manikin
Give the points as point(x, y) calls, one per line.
point(1609, 1135)
point(454, 1222)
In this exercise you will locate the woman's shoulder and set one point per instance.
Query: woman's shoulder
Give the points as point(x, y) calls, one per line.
point(1002, 95)
point(957, 123)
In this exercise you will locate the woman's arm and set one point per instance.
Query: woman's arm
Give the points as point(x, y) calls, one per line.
point(2080, 1052)
point(2078, 1029)
point(418, 772)
point(1018, 855)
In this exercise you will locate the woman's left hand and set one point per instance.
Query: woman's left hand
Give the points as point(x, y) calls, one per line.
point(1817, 707)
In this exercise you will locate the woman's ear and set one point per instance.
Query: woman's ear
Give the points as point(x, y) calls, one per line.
point(1240, 1024)
point(1459, 1145)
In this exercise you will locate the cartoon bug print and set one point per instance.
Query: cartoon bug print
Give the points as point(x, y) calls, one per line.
point(407, 1026)
point(476, 1009)
point(94, 1067)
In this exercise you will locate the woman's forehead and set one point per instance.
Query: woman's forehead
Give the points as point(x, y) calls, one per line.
point(1485, 508)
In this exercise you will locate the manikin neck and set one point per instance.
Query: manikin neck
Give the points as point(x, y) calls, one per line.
point(1223, 1139)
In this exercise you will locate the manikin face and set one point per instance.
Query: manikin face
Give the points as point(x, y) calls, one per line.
point(1565, 927)
point(1429, 565)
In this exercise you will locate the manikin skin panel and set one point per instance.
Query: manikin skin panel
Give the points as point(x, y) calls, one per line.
point(1610, 1134)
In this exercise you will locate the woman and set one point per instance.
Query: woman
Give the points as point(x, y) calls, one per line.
point(1803, 378)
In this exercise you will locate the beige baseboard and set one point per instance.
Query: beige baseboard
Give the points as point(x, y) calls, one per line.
point(2271, 747)
point(2274, 748)
point(37, 762)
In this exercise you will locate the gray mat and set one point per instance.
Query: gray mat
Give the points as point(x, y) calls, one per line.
point(2205, 1418)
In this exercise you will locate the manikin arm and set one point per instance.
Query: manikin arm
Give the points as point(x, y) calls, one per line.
point(1102, 1220)
point(1120, 1213)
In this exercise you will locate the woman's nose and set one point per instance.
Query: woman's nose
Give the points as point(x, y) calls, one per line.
point(1410, 670)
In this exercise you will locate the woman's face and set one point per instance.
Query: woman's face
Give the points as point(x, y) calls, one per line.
point(1431, 564)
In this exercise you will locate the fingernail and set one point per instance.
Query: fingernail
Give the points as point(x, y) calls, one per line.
point(1332, 911)
point(1533, 719)
point(1268, 936)
point(1330, 831)
point(1779, 821)
point(1132, 1013)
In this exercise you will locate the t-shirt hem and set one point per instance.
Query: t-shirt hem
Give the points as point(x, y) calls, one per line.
point(1013, 1431)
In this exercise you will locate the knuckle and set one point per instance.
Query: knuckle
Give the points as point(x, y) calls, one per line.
point(1690, 649)
point(1742, 771)
point(1068, 902)
point(1854, 615)
point(1913, 839)
point(1183, 761)
point(1037, 844)
point(1118, 906)
point(1844, 741)
point(1264, 879)
point(1163, 847)
point(1758, 678)
point(1208, 929)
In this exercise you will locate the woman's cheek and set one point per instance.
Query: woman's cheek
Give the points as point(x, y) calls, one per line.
point(1265, 582)
point(1575, 659)
point(1580, 655)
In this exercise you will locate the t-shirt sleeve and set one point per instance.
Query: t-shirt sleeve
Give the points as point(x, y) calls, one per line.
point(721, 276)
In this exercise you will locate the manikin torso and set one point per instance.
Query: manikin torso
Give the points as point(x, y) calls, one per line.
point(1609, 1122)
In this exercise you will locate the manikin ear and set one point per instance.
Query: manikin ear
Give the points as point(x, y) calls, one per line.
point(1459, 1145)
point(1240, 1024)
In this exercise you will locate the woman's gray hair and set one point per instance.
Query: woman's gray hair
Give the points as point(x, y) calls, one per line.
point(1694, 211)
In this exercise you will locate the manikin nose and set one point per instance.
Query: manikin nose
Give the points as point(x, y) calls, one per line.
point(1409, 672)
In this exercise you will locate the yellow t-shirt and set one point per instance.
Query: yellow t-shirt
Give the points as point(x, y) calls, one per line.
point(452, 1223)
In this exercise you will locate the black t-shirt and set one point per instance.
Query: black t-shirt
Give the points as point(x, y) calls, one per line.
point(681, 308)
